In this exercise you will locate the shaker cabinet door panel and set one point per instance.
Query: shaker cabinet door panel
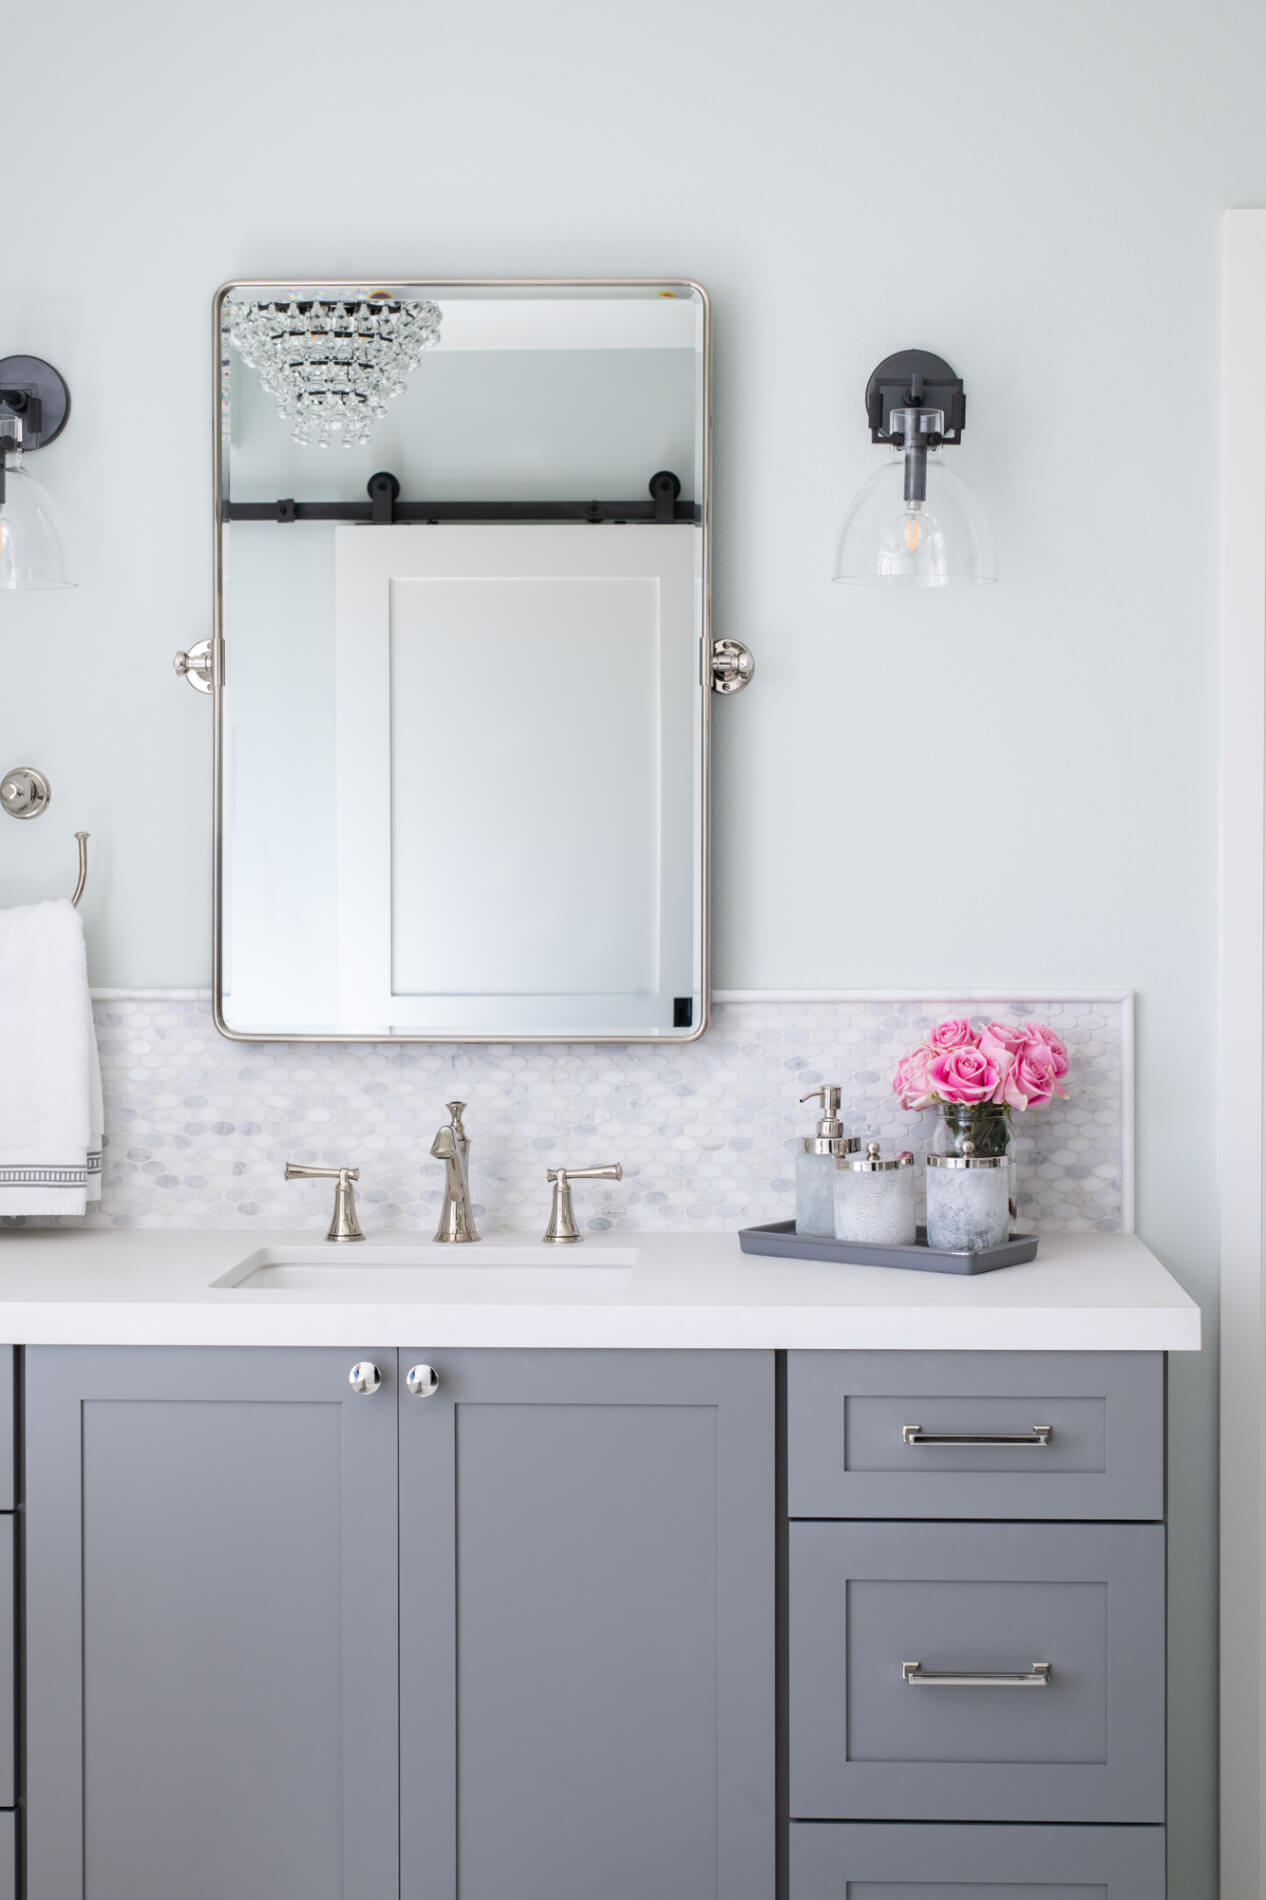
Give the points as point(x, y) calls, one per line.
point(587, 1626)
point(211, 1625)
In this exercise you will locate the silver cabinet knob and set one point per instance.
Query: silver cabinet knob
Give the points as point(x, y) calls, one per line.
point(364, 1376)
point(421, 1381)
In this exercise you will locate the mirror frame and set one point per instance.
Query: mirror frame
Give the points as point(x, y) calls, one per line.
point(437, 285)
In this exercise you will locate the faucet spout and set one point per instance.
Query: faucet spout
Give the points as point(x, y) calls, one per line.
point(452, 1147)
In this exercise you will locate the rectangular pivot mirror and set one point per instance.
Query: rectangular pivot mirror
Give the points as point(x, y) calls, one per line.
point(461, 693)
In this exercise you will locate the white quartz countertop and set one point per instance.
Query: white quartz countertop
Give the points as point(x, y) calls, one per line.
point(1084, 1293)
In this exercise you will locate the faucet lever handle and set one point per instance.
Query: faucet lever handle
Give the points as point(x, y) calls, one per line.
point(343, 1222)
point(562, 1221)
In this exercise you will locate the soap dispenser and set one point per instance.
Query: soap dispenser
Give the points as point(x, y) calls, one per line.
point(815, 1165)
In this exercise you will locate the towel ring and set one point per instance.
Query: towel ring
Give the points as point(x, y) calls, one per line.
point(81, 838)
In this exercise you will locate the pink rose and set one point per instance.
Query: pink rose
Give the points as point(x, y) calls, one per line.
point(1039, 1032)
point(1030, 1080)
point(954, 1033)
point(911, 1079)
point(1003, 1040)
point(963, 1075)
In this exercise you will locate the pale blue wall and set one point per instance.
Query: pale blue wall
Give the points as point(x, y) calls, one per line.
point(1024, 778)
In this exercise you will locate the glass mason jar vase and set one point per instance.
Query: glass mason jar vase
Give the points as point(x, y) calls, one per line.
point(987, 1125)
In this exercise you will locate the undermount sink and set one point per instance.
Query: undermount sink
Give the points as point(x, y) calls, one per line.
point(430, 1272)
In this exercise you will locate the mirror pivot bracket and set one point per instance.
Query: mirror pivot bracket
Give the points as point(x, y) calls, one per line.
point(733, 666)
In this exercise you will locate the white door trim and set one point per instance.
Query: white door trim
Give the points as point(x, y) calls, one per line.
point(1243, 1052)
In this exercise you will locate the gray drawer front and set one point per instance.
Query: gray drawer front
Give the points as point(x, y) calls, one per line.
point(8, 1858)
point(965, 1598)
point(847, 1414)
point(830, 1861)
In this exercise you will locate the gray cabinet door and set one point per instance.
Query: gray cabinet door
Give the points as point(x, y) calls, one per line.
point(7, 1471)
point(211, 1625)
point(962, 1601)
point(8, 1723)
point(831, 1861)
point(587, 1627)
point(853, 1449)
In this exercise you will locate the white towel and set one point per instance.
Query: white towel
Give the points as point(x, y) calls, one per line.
point(50, 1073)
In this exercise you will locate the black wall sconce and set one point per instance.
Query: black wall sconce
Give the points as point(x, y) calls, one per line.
point(914, 523)
point(34, 406)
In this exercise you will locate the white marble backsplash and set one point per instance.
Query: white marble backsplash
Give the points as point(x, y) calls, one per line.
point(198, 1128)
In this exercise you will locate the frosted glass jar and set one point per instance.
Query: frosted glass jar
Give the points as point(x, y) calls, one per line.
point(968, 1201)
point(874, 1198)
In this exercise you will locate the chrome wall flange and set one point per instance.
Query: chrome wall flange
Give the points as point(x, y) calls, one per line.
point(24, 792)
point(733, 666)
point(197, 666)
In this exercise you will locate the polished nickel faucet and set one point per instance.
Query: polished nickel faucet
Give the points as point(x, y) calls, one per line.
point(452, 1147)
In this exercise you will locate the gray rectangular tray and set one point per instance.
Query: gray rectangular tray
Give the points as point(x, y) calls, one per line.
point(780, 1237)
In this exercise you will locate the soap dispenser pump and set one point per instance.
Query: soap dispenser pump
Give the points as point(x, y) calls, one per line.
point(815, 1165)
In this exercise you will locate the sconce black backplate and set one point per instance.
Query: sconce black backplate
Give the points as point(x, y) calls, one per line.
point(892, 386)
point(32, 377)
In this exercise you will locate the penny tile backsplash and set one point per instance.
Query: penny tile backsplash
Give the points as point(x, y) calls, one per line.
point(198, 1128)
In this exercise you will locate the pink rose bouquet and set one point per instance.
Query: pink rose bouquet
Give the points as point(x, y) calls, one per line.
point(978, 1076)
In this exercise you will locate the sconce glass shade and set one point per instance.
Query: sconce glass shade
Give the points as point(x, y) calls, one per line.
point(941, 541)
point(31, 547)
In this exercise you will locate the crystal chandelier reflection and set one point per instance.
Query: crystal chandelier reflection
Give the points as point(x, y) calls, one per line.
point(333, 365)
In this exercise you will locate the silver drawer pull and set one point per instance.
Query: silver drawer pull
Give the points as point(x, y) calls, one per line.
point(918, 1677)
point(915, 1435)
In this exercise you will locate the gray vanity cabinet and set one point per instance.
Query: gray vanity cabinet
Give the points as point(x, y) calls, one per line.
point(211, 1588)
point(587, 1627)
point(507, 1623)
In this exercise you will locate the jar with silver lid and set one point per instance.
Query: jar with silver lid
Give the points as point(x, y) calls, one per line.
point(874, 1198)
point(815, 1165)
point(968, 1201)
